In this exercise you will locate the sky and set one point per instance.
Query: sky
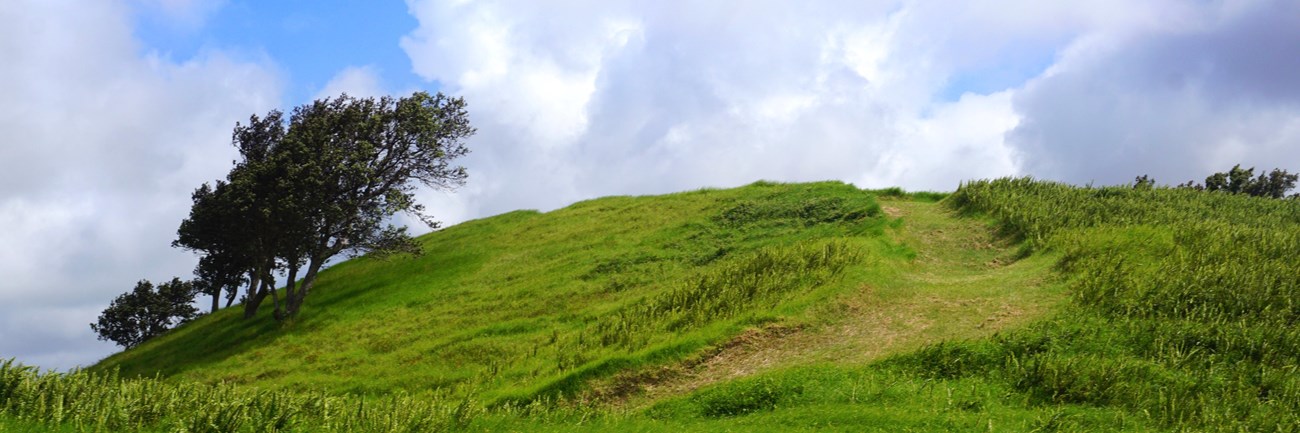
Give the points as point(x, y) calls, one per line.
point(114, 111)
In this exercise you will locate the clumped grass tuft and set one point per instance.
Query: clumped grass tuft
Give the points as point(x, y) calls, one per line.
point(1185, 305)
point(92, 402)
point(746, 396)
point(758, 280)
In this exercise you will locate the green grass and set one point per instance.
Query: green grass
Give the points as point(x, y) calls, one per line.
point(81, 401)
point(525, 304)
point(1008, 305)
point(1184, 305)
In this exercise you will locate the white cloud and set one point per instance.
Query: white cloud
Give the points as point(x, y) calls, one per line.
point(959, 140)
point(581, 99)
point(584, 99)
point(102, 145)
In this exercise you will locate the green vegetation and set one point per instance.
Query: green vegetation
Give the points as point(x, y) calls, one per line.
point(146, 312)
point(1008, 305)
point(1184, 305)
point(1273, 184)
point(92, 402)
point(527, 305)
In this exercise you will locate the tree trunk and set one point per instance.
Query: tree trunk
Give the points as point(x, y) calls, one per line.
point(277, 314)
point(295, 302)
point(288, 294)
point(256, 293)
point(216, 300)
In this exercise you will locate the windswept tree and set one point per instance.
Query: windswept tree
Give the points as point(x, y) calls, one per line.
point(217, 228)
point(1275, 184)
point(353, 164)
point(238, 225)
point(146, 312)
point(219, 275)
point(323, 183)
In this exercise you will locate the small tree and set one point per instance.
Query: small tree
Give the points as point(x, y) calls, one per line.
point(219, 275)
point(143, 313)
point(217, 228)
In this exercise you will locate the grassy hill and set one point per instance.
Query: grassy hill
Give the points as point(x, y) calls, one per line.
point(1010, 305)
point(527, 304)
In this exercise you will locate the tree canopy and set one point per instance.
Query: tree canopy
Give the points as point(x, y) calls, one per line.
point(146, 312)
point(325, 182)
point(1274, 184)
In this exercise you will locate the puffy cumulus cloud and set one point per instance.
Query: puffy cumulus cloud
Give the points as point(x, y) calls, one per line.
point(582, 99)
point(1202, 89)
point(102, 144)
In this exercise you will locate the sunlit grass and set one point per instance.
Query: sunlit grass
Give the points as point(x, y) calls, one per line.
point(1184, 305)
point(528, 304)
point(1009, 305)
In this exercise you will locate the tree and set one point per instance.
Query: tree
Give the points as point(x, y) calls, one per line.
point(143, 313)
point(1273, 185)
point(219, 274)
point(237, 225)
point(1234, 181)
point(324, 183)
point(216, 228)
point(353, 163)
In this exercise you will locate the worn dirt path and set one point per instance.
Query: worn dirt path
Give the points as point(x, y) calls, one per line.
point(964, 283)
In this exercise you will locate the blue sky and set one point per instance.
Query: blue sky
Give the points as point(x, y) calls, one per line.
point(308, 41)
point(1011, 68)
point(115, 110)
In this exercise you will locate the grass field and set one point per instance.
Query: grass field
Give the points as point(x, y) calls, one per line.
point(527, 305)
point(1010, 305)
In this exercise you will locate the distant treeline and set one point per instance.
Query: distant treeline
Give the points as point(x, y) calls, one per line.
point(1274, 184)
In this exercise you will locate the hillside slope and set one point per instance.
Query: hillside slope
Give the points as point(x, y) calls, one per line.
point(1012, 305)
point(526, 304)
point(963, 282)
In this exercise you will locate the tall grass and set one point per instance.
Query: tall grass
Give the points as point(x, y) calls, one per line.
point(1186, 304)
point(730, 289)
point(94, 402)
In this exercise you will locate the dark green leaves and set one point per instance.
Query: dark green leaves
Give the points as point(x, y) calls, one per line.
point(146, 312)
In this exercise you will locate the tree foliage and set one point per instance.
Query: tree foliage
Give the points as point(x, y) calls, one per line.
point(1274, 184)
point(323, 183)
point(146, 312)
point(1144, 182)
point(216, 227)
